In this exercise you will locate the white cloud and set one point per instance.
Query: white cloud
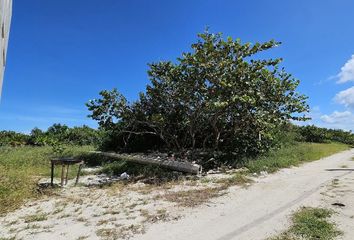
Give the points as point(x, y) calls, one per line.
point(338, 117)
point(336, 120)
point(346, 97)
point(346, 72)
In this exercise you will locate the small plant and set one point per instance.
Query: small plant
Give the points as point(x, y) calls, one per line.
point(311, 224)
point(58, 149)
point(35, 218)
point(192, 198)
point(235, 179)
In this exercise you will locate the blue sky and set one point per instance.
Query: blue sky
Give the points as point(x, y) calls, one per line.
point(62, 53)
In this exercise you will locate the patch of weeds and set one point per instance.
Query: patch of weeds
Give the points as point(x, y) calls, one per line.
point(143, 201)
point(120, 233)
point(35, 218)
point(335, 182)
point(310, 224)
point(129, 231)
point(206, 180)
point(77, 209)
point(9, 238)
point(192, 198)
point(191, 183)
point(132, 206)
point(60, 204)
point(116, 187)
point(235, 179)
point(11, 223)
point(343, 166)
point(144, 213)
point(32, 226)
point(161, 215)
point(12, 230)
point(48, 226)
point(108, 233)
point(78, 201)
point(66, 215)
point(111, 211)
point(146, 189)
point(102, 222)
point(82, 237)
point(81, 219)
point(58, 210)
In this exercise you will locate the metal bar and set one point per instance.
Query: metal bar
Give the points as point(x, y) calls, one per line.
point(78, 174)
point(52, 175)
point(67, 173)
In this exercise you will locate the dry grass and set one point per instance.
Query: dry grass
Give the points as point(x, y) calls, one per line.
point(236, 179)
point(21, 168)
point(35, 218)
point(82, 237)
point(120, 233)
point(161, 215)
point(192, 198)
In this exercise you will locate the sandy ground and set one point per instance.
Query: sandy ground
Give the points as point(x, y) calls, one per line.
point(263, 209)
point(142, 212)
point(118, 211)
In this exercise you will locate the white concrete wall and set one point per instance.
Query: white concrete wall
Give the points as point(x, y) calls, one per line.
point(5, 20)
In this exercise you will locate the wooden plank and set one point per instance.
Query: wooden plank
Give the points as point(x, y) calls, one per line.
point(169, 164)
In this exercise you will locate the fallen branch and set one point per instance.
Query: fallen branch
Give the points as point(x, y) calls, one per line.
point(169, 164)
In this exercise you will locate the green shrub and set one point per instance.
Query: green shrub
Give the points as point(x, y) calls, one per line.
point(323, 135)
point(57, 133)
point(11, 138)
point(218, 97)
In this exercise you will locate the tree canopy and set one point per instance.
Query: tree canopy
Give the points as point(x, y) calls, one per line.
point(219, 96)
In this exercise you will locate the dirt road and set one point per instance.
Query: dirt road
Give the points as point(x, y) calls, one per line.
point(263, 209)
point(139, 210)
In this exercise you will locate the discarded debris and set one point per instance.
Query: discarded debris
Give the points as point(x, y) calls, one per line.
point(163, 162)
point(124, 176)
point(338, 204)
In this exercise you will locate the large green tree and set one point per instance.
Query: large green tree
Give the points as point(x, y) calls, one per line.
point(219, 96)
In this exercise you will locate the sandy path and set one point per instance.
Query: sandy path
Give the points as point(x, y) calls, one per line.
point(262, 210)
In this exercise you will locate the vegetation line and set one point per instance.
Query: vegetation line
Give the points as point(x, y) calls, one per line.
point(293, 155)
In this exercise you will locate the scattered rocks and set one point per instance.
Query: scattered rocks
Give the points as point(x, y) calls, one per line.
point(98, 180)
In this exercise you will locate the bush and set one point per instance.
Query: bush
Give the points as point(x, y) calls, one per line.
point(55, 134)
point(218, 97)
point(323, 135)
point(11, 138)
